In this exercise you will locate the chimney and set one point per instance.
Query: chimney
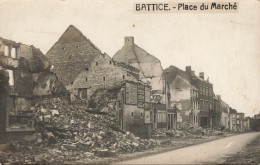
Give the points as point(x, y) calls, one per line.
point(129, 41)
point(202, 75)
point(219, 97)
point(188, 69)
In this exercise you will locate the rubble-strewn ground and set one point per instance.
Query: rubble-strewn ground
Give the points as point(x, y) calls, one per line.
point(67, 133)
point(248, 155)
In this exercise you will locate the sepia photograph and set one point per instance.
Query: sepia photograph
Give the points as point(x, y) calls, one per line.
point(129, 82)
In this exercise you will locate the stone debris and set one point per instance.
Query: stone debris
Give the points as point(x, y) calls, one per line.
point(186, 131)
point(67, 132)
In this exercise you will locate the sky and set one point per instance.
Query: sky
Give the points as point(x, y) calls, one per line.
point(225, 46)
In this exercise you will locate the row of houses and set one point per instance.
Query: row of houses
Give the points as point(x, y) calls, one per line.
point(147, 97)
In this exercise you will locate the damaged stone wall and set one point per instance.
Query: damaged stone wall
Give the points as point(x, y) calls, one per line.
point(46, 83)
point(184, 96)
point(225, 119)
point(72, 53)
point(23, 62)
point(102, 73)
point(149, 66)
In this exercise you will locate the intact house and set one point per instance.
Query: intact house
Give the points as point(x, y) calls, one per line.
point(28, 77)
point(151, 72)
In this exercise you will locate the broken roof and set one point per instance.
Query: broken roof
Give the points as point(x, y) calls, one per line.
point(172, 71)
point(131, 53)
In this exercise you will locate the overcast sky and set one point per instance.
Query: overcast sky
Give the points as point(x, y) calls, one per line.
point(224, 46)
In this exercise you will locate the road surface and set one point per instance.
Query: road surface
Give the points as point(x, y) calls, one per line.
point(211, 152)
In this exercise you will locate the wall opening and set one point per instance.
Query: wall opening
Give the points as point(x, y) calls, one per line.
point(13, 53)
point(11, 77)
point(6, 51)
point(132, 114)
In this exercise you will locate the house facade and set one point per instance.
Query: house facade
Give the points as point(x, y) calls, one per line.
point(233, 119)
point(240, 120)
point(151, 72)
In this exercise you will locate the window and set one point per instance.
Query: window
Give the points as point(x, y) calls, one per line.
point(86, 69)
point(77, 47)
point(63, 48)
point(158, 116)
point(6, 52)
point(96, 63)
point(123, 77)
point(141, 114)
point(11, 77)
point(110, 62)
point(132, 114)
point(104, 79)
point(13, 53)
point(86, 79)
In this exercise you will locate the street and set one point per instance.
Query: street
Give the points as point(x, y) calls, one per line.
point(211, 152)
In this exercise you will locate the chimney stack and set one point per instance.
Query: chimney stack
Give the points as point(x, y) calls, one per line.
point(202, 75)
point(219, 97)
point(129, 41)
point(188, 69)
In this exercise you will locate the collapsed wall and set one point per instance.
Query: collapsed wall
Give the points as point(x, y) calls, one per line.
point(29, 76)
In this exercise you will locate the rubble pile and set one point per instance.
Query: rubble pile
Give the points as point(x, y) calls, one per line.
point(186, 131)
point(67, 132)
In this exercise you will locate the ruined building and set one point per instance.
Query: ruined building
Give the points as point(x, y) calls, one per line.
point(224, 115)
point(72, 53)
point(100, 83)
point(192, 94)
point(102, 73)
point(183, 95)
point(29, 76)
point(233, 119)
point(149, 66)
point(150, 73)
